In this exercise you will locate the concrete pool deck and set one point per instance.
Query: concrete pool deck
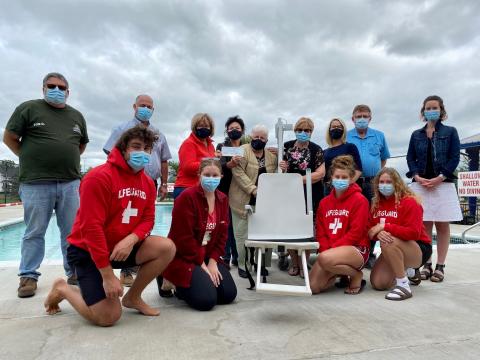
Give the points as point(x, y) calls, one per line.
point(441, 321)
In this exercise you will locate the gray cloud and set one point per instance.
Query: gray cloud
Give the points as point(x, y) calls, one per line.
point(260, 60)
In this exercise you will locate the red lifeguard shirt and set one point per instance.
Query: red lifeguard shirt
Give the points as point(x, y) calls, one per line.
point(115, 201)
point(344, 220)
point(191, 152)
point(403, 220)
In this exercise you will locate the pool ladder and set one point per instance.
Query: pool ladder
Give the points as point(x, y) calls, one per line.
point(464, 239)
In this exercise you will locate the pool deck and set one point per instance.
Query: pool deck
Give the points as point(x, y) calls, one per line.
point(441, 321)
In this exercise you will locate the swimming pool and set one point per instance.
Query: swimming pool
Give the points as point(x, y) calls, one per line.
point(11, 236)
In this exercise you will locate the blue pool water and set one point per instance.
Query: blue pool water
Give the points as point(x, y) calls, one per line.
point(11, 236)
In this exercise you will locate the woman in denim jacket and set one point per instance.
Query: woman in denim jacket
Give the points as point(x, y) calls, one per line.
point(433, 155)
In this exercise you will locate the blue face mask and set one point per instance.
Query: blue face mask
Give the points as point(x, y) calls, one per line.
point(432, 115)
point(55, 96)
point(138, 160)
point(209, 184)
point(302, 136)
point(386, 189)
point(144, 113)
point(361, 123)
point(340, 184)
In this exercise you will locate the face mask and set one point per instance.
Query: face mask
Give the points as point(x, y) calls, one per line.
point(432, 115)
point(302, 136)
point(336, 134)
point(234, 134)
point(203, 133)
point(138, 160)
point(258, 144)
point(209, 183)
point(361, 123)
point(55, 96)
point(144, 113)
point(340, 184)
point(386, 189)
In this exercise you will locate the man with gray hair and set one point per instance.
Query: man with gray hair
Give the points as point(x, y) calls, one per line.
point(158, 165)
point(48, 136)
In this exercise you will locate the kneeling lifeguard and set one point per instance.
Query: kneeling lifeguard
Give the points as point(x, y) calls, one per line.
point(112, 230)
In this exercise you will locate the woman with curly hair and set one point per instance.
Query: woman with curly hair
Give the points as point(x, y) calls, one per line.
point(396, 221)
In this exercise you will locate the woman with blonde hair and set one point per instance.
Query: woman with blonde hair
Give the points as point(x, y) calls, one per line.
point(299, 155)
point(336, 139)
point(396, 221)
point(196, 147)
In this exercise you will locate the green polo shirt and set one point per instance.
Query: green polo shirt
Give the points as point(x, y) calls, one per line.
point(50, 140)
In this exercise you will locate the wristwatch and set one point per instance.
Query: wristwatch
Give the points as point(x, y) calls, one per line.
point(443, 176)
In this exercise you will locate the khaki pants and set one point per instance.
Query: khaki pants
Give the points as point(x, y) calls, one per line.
point(240, 229)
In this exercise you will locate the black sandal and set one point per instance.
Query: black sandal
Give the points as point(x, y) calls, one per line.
point(439, 274)
point(416, 279)
point(426, 272)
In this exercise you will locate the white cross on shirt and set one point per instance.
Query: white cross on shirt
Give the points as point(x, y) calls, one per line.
point(128, 213)
point(335, 225)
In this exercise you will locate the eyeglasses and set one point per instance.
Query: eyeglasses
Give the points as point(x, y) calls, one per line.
point(303, 130)
point(53, 86)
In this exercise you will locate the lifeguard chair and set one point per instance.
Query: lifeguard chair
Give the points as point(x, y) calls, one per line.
point(281, 219)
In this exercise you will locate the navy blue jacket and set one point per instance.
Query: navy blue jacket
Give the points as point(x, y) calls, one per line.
point(446, 151)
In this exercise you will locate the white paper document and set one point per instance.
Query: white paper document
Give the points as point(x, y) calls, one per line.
point(232, 151)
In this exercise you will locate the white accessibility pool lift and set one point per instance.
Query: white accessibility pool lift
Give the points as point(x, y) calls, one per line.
point(280, 219)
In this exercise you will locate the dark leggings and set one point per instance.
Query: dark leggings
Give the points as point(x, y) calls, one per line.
point(203, 295)
point(231, 245)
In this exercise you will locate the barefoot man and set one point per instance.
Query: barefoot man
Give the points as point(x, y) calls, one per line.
point(112, 231)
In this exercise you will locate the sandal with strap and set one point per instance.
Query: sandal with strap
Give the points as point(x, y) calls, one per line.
point(438, 274)
point(343, 282)
point(294, 270)
point(355, 290)
point(416, 279)
point(398, 293)
point(426, 271)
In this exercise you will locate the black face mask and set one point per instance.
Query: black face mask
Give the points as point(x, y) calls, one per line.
point(258, 144)
point(336, 134)
point(203, 133)
point(234, 134)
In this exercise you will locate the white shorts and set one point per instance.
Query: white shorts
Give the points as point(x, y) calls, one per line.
point(440, 203)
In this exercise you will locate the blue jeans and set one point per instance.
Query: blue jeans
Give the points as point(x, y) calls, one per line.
point(39, 201)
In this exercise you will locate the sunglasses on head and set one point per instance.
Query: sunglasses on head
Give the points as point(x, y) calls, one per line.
point(53, 86)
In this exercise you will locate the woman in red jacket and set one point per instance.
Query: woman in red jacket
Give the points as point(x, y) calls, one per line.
point(342, 219)
point(396, 221)
point(200, 230)
point(112, 231)
point(195, 148)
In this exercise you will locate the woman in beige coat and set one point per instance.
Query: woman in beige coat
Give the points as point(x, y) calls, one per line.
point(243, 189)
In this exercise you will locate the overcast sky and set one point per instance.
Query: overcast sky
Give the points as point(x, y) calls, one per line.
point(258, 59)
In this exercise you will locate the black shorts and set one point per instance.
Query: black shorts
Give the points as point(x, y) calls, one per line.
point(426, 250)
point(90, 280)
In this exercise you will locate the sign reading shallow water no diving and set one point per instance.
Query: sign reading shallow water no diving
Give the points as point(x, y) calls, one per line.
point(469, 183)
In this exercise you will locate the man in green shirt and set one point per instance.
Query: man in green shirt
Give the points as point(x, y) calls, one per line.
point(48, 136)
